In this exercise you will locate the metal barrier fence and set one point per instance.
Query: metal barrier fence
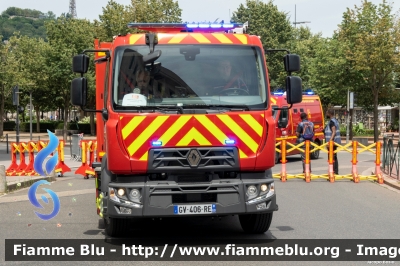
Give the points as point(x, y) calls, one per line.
point(19, 167)
point(391, 156)
point(353, 147)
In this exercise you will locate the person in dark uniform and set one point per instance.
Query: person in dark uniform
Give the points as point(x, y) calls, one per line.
point(332, 133)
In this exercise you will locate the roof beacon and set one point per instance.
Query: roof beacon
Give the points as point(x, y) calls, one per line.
point(191, 27)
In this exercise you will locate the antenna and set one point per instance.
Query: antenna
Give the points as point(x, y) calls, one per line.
point(215, 21)
point(72, 9)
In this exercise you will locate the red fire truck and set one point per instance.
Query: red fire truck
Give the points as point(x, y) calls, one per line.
point(184, 124)
point(288, 119)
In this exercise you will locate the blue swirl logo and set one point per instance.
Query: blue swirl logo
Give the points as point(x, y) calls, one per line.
point(42, 155)
point(34, 201)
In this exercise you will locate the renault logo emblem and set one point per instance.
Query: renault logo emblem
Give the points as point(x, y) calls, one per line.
point(194, 158)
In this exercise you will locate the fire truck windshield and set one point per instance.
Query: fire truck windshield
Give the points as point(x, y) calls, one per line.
point(188, 76)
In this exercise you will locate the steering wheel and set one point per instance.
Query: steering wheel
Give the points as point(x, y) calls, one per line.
point(234, 91)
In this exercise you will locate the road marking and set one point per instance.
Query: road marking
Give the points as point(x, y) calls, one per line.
point(59, 194)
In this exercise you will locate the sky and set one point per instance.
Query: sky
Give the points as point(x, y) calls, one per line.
point(323, 15)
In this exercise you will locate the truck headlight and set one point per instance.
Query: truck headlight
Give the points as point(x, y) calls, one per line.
point(121, 192)
point(264, 187)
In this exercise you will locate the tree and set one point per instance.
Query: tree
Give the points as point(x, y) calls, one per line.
point(274, 29)
point(306, 45)
point(30, 55)
point(67, 37)
point(8, 77)
point(116, 17)
point(370, 35)
point(113, 21)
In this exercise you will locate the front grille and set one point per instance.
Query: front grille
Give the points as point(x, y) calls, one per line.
point(194, 197)
point(214, 158)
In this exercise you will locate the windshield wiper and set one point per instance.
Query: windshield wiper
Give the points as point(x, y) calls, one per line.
point(179, 109)
point(218, 106)
point(231, 107)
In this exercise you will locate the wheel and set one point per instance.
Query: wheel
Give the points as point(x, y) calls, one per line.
point(277, 155)
point(256, 223)
point(116, 226)
point(315, 155)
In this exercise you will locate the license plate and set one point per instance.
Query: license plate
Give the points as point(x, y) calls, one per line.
point(195, 209)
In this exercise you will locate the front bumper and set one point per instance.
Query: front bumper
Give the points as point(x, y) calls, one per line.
point(159, 198)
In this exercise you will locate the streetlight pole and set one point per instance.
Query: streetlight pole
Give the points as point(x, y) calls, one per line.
point(295, 18)
point(30, 114)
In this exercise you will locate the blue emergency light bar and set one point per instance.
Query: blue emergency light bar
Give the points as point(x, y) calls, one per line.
point(309, 92)
point(156, 143)
point(185, 26)
point(230, 141)
point(278, 92)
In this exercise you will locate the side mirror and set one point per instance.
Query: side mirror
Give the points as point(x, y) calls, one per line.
point(294, 93)
point(79, 91)
point(151, 57)
point(291, 62)
point(283, 122)
point(80, 63)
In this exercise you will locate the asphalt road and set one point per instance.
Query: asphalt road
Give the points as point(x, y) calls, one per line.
point(316, 210)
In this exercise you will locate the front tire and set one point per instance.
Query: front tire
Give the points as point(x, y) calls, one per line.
point(115, 227)
point(277, 155)
point(315, 155)
point(256, 223)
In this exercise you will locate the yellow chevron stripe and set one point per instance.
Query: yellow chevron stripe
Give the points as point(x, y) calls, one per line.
point(242, 154)
point(273, 100)
point(262, 115)
point(144, 157)
point(172, 130)
point(242, 38)
point(135, 145)
point(228, 121)
point(121, 117)
point(200, 38)
point(193, 134)
point(178, 38)
point(210, 126)
point(134, 38)
point(221, 37)
point(131, 126)
point(253, 123)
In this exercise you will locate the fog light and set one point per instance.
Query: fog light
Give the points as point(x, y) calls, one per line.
point(261, 206)
point(135, 194)
point(252, 191)
point(121, 192)
point(264, 187)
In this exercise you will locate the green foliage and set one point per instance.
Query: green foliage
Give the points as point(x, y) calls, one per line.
point(9, 125)
point(15, 11)
point(60, 125)
point(25, 21)
point(274, 29)
point(370, 35)
point(86, 120)
point(44, 126)
point(115, 16)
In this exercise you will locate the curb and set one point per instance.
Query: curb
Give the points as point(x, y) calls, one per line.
point(28, 183)
point(392, 183)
